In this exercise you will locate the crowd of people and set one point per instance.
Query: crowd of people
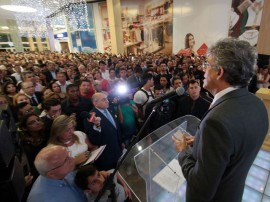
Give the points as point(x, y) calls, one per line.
point(52, 96)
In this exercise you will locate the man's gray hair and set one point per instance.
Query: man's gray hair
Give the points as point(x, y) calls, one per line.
point(237, 58)
point(23, 74)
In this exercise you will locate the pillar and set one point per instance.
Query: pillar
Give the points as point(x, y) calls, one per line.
point(115, 21)
point(263, 45)
point(14, 33)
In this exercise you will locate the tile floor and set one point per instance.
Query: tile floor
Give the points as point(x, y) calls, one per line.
point(257, 187)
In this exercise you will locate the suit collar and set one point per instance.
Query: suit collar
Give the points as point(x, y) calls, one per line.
point(235, 93)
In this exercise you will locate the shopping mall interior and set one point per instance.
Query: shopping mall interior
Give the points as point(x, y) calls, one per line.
point(137, 27)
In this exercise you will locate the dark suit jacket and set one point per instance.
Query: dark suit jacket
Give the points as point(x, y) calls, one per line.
point(108, 135)
point(39, 98)
point(187, 106)
point(84, 105)
point(49, 76)
point(133, 82)
point(226, 144)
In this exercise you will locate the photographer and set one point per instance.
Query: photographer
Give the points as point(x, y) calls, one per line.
point(126, 110)
point(163, 113)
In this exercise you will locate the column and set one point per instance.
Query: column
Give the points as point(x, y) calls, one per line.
point(31, 44)
point(263, 45)
point(115, 21)
point(14, 33)
point(50, 39)
point(98, 28)
point(39, 45)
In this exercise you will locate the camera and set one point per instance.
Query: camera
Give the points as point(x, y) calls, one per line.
point(164, 108)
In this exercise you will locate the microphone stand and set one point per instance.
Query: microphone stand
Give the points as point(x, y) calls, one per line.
point(108, 183)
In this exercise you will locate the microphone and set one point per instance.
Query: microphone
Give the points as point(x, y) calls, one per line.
point(177, 92)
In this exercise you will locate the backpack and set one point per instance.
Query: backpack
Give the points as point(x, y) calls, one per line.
point(145, 92)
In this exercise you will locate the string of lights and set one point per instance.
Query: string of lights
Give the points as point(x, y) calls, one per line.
point(71, 13)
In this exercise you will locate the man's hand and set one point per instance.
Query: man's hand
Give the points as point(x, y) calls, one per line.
point(81, 158)
point(97, 121)
point(189, 139)
point(180, 145)
point(127, 192)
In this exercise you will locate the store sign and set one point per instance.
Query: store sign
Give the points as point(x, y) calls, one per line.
point(61, 35)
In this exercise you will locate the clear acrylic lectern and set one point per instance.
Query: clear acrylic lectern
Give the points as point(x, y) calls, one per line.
point(151, 169)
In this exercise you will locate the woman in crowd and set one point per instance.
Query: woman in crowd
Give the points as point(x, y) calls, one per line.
point(3, 100)
point(62, 133)
point(263, 78)
point(43, 78)
point(165, 83)
point(32, 138)
point(103, 83)
point(10, 89)
point(19, 98)
point(56, 89)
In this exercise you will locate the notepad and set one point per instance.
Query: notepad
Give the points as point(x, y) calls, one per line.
point(95, 154)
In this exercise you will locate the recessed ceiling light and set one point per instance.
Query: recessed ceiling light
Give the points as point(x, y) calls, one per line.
point(22, 9)
point(4, 27)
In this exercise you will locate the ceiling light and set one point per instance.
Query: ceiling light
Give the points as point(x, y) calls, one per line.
point(4, 27)
point(21, 9)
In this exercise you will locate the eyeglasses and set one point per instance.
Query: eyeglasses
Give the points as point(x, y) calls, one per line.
point(104, 99)
point(65, 161)
point(208, 65)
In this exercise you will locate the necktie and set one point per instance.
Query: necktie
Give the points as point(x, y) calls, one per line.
point(33, 100)
point(109, 117)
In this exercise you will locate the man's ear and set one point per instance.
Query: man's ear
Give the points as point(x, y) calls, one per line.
point(220, 73)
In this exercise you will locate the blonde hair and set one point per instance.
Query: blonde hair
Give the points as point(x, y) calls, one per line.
point(59, 125)
point(15, 97)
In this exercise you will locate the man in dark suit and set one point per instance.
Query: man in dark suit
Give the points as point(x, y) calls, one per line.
point(135, 81)
point(28, 89)
point(51, 72)
point(232, 131)
point(104, 130)
point(193, 104)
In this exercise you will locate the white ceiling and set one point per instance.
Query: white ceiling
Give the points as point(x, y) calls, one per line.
point(6, 15)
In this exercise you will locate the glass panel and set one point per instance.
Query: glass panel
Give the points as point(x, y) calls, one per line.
point(24, 39)
point(4, 37)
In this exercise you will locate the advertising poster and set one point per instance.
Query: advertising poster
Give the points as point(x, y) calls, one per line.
point(147, 26)
point(245, 20)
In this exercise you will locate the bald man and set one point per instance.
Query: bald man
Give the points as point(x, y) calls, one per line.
point(55, 182)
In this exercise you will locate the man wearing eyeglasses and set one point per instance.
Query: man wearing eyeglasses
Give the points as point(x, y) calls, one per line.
point(230, 133)
point(104, 129)
point(28, 89)
point(56, 180)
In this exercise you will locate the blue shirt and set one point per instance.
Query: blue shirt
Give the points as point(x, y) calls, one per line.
point(51, 190)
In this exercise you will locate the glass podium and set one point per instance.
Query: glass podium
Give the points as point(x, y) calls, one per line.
point(151, 168)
